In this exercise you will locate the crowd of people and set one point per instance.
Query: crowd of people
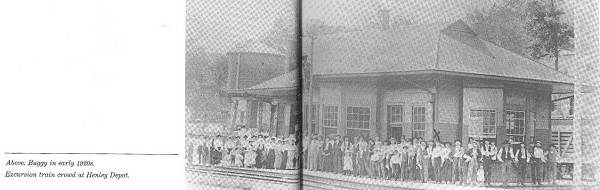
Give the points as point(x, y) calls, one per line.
point(404, 159)
point(245, 151)
point(431, 161)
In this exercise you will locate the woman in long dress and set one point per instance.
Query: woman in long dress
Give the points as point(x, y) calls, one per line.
point(239, 157)
point(284, 152)
point(305, 152)
point(259, 146)
point(426, 162)
point(292, 153)
point(447, 163)
point(368, 161)
point(363, 153)
point(376, 158)
point(472, 160)
point(205, 151)
point(270, 150)
point(250, 157)
point(310, 153)
point(347, 148)
point(313, 154)
point(328, 155)
point(436, 157)
point(320, 157)
point(278, 154)
point(355, 156)
point(337, 155)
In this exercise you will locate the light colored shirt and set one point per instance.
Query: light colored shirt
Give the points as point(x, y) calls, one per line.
point(538, 152)
point(437, 152)
point(229, 144)
point(458, 152)
point(217, 143)
point(494, 150)
point(395, 159)
point(362, 146)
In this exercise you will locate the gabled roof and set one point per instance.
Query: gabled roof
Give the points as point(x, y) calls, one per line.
point(254, 46)
point(286, 80)
point(454, 48)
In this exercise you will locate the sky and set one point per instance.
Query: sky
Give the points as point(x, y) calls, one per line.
point(218, 25)
point(356, 13)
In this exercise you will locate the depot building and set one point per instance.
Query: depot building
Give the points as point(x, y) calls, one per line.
point(426, 81)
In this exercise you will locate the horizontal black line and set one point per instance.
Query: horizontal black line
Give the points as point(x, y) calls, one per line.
point(94, 153)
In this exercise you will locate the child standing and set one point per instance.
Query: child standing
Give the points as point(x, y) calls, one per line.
point(250, 157)
point(239, 157)
point(404, 163)
point(395, 162)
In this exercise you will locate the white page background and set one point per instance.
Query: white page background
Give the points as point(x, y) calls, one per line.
point(94, 76)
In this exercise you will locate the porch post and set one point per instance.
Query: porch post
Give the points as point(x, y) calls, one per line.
point(287, 115)
point(259, 115)
point(252, 113)
point(273, 124)
point(380, 127)
point(233, 111)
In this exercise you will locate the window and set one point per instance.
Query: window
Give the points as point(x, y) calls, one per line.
point(395, 118)
point(515, 125)
point(395, 114)
point(419, 119)
point(358, 119)
point(484, 123)
point(241, 118)
point(330, 119)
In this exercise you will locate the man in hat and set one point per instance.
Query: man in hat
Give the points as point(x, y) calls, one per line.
point(458, 163)
point(505, 157)
point(217, 149)
point(305, 148)
point(472, 156)
point(552, 155)
point(363, 155)
point(355, 157)
point(487, 153)
point(536, 164)
point(522, 158)
point(337, 154)
point(259, 145)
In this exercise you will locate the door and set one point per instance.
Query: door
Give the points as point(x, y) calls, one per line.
point(419, 120)
point(394, 121)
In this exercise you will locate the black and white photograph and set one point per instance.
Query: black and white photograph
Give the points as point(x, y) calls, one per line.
point(385, 94)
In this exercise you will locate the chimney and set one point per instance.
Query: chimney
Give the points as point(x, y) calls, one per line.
point(384, 19)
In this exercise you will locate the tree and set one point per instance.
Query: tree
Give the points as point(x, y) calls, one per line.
point(551, 34)
point(504, 25)
point(205, 75)
point(283, 32)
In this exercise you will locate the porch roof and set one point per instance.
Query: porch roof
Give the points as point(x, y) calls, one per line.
point(281, 85)
point(453, 49)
